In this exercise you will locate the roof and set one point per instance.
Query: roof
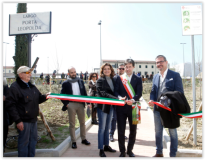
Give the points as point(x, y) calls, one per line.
point(114, 60)
point(8, 67)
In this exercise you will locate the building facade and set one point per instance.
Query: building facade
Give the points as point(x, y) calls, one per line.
point(143, 67)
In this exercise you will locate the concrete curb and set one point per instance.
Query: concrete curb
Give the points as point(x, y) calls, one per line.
point(58, 151)
point(166, 141)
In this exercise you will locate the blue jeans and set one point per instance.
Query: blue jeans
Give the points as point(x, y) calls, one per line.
point(113, 122)
point(159, 136)
point(104, 126)
point(27, 140)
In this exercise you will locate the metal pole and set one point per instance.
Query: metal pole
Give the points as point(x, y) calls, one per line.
point(194, 90)
point(29, 50)
point(48, 64)
point(5, 56)
point(100, 44)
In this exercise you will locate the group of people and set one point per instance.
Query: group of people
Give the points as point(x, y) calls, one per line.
point(23, 99)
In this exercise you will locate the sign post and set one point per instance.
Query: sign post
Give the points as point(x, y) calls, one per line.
point(30, 23)
point(192, 25)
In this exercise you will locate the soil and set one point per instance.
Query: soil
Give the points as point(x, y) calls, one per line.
point(58, 120)
point(185, 123)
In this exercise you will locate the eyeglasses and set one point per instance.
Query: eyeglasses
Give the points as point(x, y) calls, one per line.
point(27, 72)
point(160, 62)
point(121, 68)
point(94, 76)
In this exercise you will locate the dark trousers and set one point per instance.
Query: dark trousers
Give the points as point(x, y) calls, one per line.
point(6, 129)
point(94, 112)
point(27, 140)
point(113, 122)
point(122, 115)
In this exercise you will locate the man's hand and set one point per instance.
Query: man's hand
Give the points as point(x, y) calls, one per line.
point(122, 98)
point(129, 102)
point(89, 106)
point(4, 98)
point(20, 126)
point(48, 94)
point(151, 103)
point(67, 105)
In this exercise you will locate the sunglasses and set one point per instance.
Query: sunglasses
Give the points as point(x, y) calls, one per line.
point(94, 76)
point(160, 62)
point(121, 68)
point(27, 72)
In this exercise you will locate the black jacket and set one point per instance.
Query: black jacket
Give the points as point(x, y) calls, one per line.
point(179, 104)
point(22, 102)
point(67, 89)
point(104, 90)
point(6, 117)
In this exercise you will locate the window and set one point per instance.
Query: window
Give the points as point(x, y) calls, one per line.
point(152, 66)
point(139, 66)
point(9, 71)
point(145, 73)
point(114, 65)
point(3, 70)
point(152, 73)
point(146, 66)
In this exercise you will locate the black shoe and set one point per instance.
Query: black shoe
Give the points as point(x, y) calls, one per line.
point(95, 122)
point(131, 154)
point(74, 145)
point(101, 153)
point(126, 137)
point(85, 142)
point(108, 148)
point(111, 138)
point(122, 154)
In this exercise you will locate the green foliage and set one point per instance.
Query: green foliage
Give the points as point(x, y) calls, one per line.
point(21, 47)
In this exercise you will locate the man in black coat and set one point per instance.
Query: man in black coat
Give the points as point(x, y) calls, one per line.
point(75, 86)
point(22, 104)
point(126, 111)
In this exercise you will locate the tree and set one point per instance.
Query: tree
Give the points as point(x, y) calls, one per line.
point(21, 46)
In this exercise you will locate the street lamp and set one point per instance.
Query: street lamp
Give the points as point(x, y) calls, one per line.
point(48, 65)
point(99, 23)
point(183, 58)
point(5, 57)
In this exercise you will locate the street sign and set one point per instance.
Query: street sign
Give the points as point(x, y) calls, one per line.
point(191, 20)
point(30, 23)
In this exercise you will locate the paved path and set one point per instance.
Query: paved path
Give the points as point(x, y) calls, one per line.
point(144, 144)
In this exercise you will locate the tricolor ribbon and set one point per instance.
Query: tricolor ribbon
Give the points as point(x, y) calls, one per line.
point(89, 99)
point(136, 117)
point(187, 115)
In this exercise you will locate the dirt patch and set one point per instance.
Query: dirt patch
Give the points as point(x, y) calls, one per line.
point(185, 123)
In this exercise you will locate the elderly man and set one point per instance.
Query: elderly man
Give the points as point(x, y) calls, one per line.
point(75, 86)
point(22, 103)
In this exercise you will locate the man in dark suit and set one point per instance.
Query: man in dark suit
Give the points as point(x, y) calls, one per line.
point(165, 80)
point(126, 111)
point(75, 86)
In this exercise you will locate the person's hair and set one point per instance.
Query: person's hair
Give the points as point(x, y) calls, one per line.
point(161, 56)
point(111, 68)
point(129, 61)
point(121, 65)
point(91, 74)
point(70, 68)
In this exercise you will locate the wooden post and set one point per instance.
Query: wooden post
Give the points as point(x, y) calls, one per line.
point(191, 129)
point(46, 125)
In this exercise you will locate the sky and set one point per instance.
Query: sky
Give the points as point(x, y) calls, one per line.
point(137, 30)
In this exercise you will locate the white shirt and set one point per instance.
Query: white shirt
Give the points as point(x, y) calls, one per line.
point(165, 74)
point(75, 88)
point(129, 77)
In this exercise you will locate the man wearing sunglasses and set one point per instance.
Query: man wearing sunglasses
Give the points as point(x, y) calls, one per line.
point(121, 71)
point(22, 102)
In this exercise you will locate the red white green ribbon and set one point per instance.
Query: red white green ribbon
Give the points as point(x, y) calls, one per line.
point(187, 115)
point(136, 117)
point(89, 99)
